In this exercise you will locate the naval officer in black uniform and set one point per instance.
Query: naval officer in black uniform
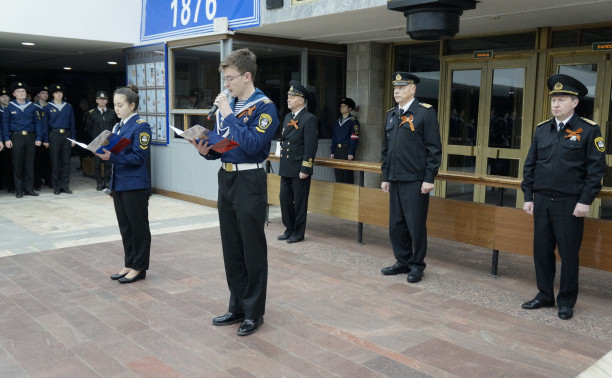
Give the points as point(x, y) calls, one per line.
point(299, 142)
point(411, 154)
point(562, 176)
point(99, 119)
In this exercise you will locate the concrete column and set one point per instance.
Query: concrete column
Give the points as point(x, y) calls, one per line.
point(365, 84)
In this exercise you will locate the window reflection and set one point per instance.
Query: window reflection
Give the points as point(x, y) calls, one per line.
point(505, 123)
point(465, 95)
point(196, 76)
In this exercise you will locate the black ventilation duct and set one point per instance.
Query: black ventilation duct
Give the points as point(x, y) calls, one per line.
point(431, 19)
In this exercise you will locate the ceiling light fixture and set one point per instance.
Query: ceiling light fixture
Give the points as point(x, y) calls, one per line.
point(112, 62)
point(67, 68)
point(28, 43)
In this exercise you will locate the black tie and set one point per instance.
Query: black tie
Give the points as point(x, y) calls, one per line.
point(292, 115)
point(120, 126)
point(560, 126)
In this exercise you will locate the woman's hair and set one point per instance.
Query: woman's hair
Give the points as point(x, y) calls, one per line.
point(131, 94)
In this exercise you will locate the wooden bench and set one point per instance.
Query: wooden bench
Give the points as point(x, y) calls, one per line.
point(495, 227)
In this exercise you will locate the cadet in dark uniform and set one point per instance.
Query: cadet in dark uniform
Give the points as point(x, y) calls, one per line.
point(345, 138)
point(58, 117)
point(42, 164)
point(6, 168)
point(561, 178)
point(249, 119)
point(411, 154)
point(99, 119)
point(299, 142)
point(131, 186)
point(23, 131)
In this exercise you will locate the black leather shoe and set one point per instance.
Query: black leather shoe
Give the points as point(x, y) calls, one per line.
point(19, 195)
point(116, 276)
point(414, 276)
point(249, 326)
point(566, 313)
point(56, 192)
point(294, 239)
point(283, 236)
point(395, 269)
point(31, 193)
point(227, 319)
point(99, 187)
point(140, 276)
point(67, 191)
point(534, 304)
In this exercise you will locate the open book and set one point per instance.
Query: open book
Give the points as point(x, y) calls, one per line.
point(198, 132)
point(106, 140)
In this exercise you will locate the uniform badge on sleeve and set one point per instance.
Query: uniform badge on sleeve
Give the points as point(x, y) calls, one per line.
point(599, 144)
point(265, 120)
point(144, 140)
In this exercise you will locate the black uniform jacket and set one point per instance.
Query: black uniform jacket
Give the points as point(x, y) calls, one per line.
point(567, 163)
point(299, 143)
point(411, 147)
point(96, 122)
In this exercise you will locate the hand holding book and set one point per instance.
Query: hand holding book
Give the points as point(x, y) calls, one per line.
point(106, 140)
point(215, 141)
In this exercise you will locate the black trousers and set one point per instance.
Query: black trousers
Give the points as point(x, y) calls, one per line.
point(98, 164)
point(242, 203)
point(23, 155)
point(294, 204)
point(60, 150)
point(6, 170)
point(343, 175)
point(42, 167)
point(554, 225)
point(408, 223)
point(132, 210)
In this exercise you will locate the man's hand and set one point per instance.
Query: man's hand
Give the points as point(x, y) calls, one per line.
point(38, 143)
point(385, 187)
point(8, 144)
point(581, 210)
point(528, 207)
point(202, 147)
point(1, 146)
point(426, 187)
point(46, 144)
point(331, 156)
point(223, 105)
point(303, 175)
point(105, 156)
point(351, 157)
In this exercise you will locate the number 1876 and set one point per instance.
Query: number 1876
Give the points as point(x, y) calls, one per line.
point(210, 7)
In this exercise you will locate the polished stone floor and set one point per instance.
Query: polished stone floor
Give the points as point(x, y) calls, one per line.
point(329, 311)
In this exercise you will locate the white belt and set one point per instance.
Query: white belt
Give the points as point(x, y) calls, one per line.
point(231, 167)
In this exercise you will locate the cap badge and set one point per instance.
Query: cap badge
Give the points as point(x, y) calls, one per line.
point(19, 84)
point(558, 86)
point(291, 89)
point(398, 77)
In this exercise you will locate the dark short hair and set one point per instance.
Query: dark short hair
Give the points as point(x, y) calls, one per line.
point(131, 94)
point(244, 60)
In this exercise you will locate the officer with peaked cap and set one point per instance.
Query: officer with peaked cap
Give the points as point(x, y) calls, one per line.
point(345, 138)
point(99, 119)
point(59, 118)
point(22, 131)
point(562, 176)
point(411, 154)
point(299, 142)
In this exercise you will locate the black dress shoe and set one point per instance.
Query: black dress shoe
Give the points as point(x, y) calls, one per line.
point(118, 275)
point(293, 239)
point(566, 313)
point(31, 193)
point(57, 192)
point(536, 303)
point(283, 236)
point(99, 187)
point(414, 276)
point(227, 319)
point(250, 326)
point(395, 269)
point(140, 276)
point(67, 191)
point(19, 194)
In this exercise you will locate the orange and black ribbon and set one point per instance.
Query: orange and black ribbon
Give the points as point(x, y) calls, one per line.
point(409, 120)
point(571, 133)
point(248, 112)
point(293, 123)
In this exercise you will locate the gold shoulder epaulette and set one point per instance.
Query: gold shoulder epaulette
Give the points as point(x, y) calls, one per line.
point(91, 111)
point(589, 121)
point(425, 105)
point(543, 122)
point(140, 120)
point(267, 101)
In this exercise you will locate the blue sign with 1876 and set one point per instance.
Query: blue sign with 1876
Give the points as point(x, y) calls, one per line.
point(163, 19)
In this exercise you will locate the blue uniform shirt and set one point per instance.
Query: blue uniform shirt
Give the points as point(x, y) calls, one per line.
point(130, 164)
point(59, 117)
point(24, 117)
point(253, 128)
point(346, 131)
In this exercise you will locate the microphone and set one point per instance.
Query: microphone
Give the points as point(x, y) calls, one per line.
point(214, 109)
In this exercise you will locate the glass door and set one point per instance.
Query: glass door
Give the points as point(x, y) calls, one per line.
point(487, 125)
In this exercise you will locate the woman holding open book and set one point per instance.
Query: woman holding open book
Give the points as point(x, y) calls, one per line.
point(131, 185)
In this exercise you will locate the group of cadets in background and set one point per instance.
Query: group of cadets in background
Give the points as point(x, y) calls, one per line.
point(34, 127)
